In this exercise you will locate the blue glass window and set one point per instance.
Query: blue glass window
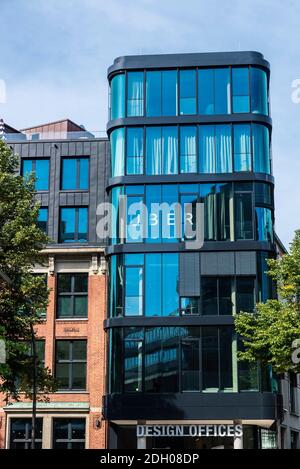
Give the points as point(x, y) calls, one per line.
point(134, 291)
point(117, 140)
point(242, 147)
point(161, 91)
point(216, 198)
point(153, 94)
point(170, 287)
point(259, 91)
point(153, 306)
point(240, 90)
point(42, 222)
point(215, 149)
point(117, 91)
point(243, 216)
point(169, 93)
point(187, 92)
point(161, 150)
point(135, 94)
point(264, 224)
point(134, 219)
point(188, 149)
point(40, 168)
point(261, 148)
point(73, 225)
point(75, 174)
point(214, 91)
point(135, 150)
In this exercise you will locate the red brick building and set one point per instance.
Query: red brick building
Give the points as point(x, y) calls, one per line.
point(71, 338)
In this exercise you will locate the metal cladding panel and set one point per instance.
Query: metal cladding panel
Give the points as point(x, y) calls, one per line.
point(191, 406)
point(217, 263)
point(245, 263)
point(189, 283)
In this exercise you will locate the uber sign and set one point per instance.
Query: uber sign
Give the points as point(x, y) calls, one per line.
point(189, 430)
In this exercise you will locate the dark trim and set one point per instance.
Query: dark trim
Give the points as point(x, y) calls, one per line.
point(188, 119)
point(191, 406)
point(165, 61)
point(210, 246)
point(178, 321)
point(188, 178)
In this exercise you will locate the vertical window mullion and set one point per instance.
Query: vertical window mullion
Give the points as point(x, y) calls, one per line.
point(71, 365)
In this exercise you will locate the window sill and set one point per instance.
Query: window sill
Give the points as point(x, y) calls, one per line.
point(71, 319)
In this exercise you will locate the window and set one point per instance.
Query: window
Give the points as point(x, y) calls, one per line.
point(214, 91)
point(42, 221)
point(20, 433)
point(217, 359)
point(133, 360)
point(117, 140)
point(190, 365)
point(75, 174)
point(150, 285)
point(173, 359)
point(72, 301)
point(161, 91)
point(161, 150)
point(189, 306)
point(243, 216)
point(73, 225)
point(215, 149)
point(135, 150)
point(68, 433)
point(216, 211)
point(293, 381)
point(294, 440)
point(135, 94)
point(133, 291)
point(40, 168)
point(245, 294)
point(259, 91)
point(216, 296)
point(261, 148)
point(242, 148)
point(70, 370)
point(240, 90)
point(264, 224)
point(117, 90)
point(188, 149)
point(187, 92)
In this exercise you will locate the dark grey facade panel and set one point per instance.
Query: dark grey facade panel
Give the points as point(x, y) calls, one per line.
point(79, 149)
point(32, 150)
point(245, 263)
point(191, 406)
point(189, 274)
point(25, 150)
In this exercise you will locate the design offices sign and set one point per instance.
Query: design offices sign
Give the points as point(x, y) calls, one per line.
point(143, 431)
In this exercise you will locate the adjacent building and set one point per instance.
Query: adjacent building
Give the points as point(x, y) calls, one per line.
point(71, 173)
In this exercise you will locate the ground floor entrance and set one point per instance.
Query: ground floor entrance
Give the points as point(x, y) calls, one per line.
point(183, 435)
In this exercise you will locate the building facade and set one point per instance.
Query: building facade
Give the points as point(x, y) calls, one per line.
point(71, 172)
point(191, 129)
point(139, 331)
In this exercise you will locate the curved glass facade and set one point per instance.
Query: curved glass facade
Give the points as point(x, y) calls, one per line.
point(191, 149)
point(232, 212)
point(117, 97)
point(172, 303)
point(180, 359)
point(202, 91)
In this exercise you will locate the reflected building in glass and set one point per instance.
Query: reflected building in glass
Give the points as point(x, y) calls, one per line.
point(188, 129)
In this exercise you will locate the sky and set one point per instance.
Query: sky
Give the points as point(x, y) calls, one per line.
point(55, 55)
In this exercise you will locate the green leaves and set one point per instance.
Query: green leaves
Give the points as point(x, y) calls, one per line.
point(269, 333)
point(21, 300)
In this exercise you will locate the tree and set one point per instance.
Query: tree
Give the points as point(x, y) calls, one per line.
point(271, 334)
point(23, 295)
